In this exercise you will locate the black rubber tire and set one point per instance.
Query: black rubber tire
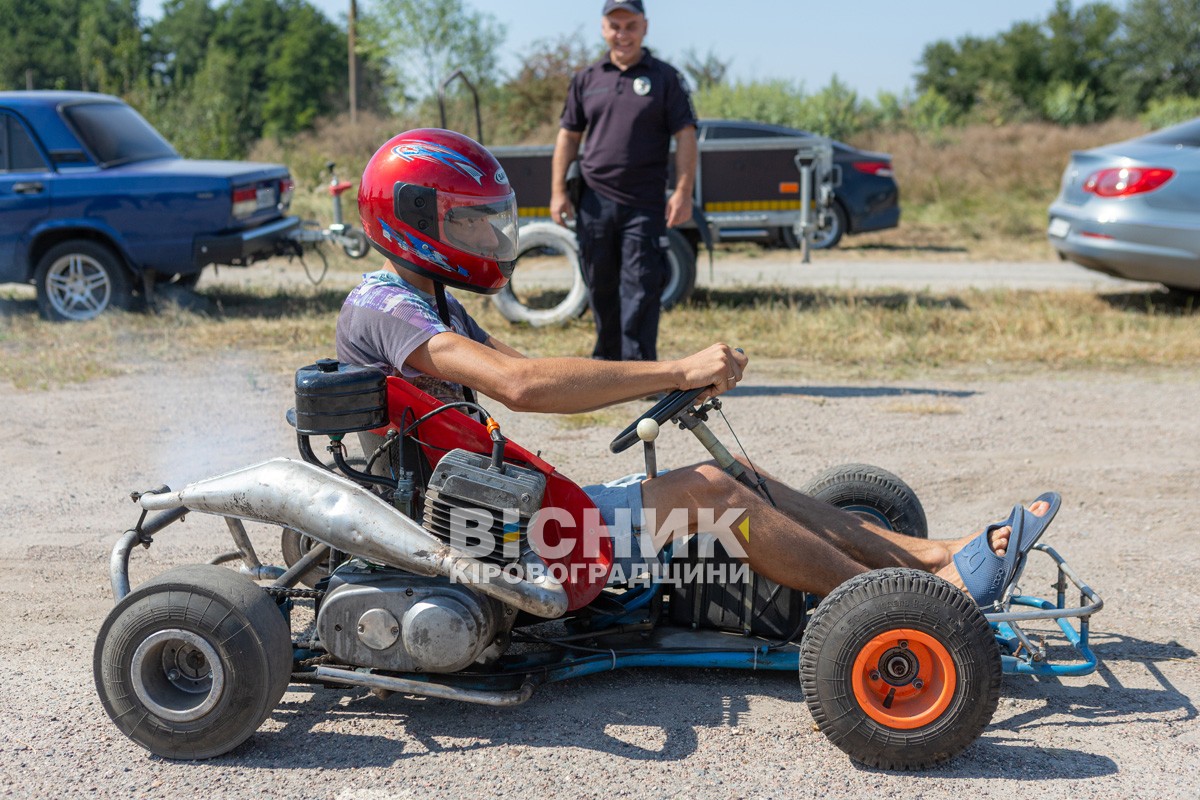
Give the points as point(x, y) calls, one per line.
point(874, 494)
point(79, 280)
point(681, 265)
point(295, 546)
point(869, 609)
point(220, 609)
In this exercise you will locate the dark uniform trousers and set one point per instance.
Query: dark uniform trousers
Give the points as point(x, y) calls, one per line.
point(623, 255)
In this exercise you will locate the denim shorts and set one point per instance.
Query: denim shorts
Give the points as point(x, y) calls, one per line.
point(620, 505)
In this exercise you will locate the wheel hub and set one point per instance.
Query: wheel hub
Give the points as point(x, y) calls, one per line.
point(904, 678)
point(78, 287)
point(898, 666)
point(177, 674)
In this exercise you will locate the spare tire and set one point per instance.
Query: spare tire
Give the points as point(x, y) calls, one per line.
point(557, 292)
point(548, 262)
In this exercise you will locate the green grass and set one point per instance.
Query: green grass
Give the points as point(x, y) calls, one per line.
point(784, 330)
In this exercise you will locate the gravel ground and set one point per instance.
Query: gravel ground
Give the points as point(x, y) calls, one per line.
point(1121, 448)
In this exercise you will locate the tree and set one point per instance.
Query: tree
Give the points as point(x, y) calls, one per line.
point(705, 71)
point(179, 39)
point(70, 44)
point(534, 97)
point(1160, 51)
point(429, 39)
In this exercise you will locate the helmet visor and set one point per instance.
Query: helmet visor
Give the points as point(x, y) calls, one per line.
point(484, 227)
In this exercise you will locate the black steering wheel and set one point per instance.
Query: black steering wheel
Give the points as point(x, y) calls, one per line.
point(661, 412)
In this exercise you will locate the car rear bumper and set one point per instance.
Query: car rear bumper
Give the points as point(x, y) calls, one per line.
point(1135, 252)
point(242, 247)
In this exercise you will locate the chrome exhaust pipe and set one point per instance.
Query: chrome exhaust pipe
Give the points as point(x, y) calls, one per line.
point(345, 516)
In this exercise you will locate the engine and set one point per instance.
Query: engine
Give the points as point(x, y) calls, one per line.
point(394, 620)
point(386, 618)
point(389, 619)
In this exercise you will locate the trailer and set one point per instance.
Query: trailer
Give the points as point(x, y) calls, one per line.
point(741, 184)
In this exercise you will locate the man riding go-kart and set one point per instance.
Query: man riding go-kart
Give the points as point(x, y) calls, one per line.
point(900, 663)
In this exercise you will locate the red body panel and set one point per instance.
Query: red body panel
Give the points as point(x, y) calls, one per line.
point(589, 560)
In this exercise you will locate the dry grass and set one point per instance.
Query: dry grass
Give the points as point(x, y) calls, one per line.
point(850, 333)
point(923, 407)
point(979, 192)
point(982, 188)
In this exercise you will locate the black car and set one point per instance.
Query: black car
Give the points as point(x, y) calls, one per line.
point(866, 197)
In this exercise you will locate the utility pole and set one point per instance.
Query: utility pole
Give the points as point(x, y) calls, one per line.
point(353, 63)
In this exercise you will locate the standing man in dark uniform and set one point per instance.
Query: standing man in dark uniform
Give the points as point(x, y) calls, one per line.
point(631, 105)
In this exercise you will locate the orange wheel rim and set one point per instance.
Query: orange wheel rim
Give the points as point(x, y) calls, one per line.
point(904, 678)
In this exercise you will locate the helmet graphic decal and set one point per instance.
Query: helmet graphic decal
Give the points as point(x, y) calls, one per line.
point(435, 153)
point(416, 247)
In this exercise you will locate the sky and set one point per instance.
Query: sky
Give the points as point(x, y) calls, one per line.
point(871, 45)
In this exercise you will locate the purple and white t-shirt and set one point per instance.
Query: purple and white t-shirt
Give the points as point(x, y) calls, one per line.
point(385, 318)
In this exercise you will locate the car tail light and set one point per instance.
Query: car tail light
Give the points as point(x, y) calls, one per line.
point(286, 187)
point(245, 201)
point(1124, 181)
point(881, 168)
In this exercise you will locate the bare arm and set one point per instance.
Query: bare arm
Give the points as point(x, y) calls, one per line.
point(566, 148)
point(569, 385)
point(679, 207)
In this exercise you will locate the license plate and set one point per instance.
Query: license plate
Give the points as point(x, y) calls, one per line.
point(266, 198)
point(1059, 228)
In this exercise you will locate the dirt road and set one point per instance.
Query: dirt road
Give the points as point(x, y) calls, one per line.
point(1122, 449)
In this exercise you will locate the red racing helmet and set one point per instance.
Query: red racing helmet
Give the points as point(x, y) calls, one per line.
point(440, 204)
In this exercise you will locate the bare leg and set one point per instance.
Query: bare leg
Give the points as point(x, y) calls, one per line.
point(804, 543)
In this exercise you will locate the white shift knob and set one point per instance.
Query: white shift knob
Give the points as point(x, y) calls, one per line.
point(647, 430)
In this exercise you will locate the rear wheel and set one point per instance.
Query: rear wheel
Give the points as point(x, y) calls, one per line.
point(900, 689)
point(681, 270)
point(79, 280)
point(295, 546)
point(190, 663)
point(872, 493)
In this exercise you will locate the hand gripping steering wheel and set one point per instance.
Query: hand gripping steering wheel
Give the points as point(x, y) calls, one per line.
point(661, 412)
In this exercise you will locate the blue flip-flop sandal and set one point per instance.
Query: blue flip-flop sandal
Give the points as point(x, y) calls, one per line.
point(987, 575)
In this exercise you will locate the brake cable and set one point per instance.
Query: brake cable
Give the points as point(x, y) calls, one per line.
point(759, 480)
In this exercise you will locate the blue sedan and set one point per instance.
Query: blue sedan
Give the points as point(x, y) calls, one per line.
point(1132, 209)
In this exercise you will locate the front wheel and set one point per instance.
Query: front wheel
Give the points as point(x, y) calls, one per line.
point(190, 663)
point(79, 280)
point(900, 669)
point(872, 493)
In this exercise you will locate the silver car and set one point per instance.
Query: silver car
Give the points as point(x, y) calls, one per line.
point(1132, 209)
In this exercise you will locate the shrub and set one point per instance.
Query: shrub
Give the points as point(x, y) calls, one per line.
point(1170, 110)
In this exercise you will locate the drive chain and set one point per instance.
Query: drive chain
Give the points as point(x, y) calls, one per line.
point(293, 593)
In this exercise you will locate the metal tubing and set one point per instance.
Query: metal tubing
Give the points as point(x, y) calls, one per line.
point(297, 571)
point(118, 565)
point(238, 531)
point(440, 690)
point(340, 513)
point(118, 562)
point(1049, 611)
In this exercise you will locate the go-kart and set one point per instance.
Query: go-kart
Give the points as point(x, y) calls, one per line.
point(456, 564)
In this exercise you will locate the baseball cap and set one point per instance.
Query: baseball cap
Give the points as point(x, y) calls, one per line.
point(623, 5)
